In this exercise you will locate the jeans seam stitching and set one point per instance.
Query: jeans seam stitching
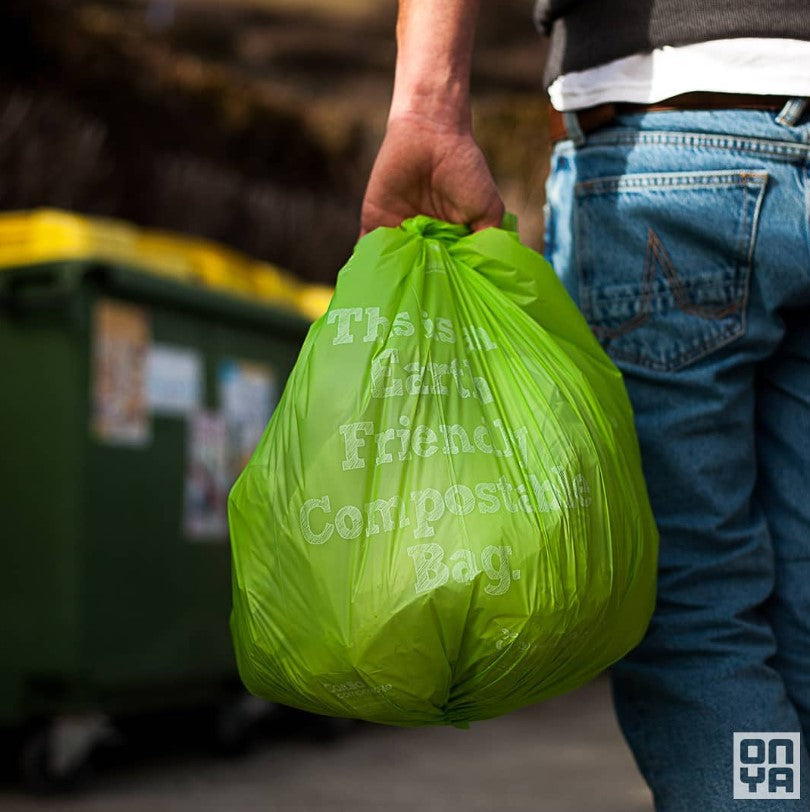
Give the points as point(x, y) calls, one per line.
point(644, 182)
point(702, 141)
point(686, 357)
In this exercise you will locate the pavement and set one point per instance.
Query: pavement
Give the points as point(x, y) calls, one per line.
point(564, 755)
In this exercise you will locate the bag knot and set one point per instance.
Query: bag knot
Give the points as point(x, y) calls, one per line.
point(430, 228)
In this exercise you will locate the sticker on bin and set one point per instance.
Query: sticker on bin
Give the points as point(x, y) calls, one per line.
point(174, 380)
point(248, 394)
point(121, 338)
point(207, 482)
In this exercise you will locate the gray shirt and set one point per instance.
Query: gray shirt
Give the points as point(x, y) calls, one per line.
point(587, 33)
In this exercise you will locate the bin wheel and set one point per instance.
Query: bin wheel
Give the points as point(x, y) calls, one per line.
point(57, 757)
point(36, 766)
point(236, 722)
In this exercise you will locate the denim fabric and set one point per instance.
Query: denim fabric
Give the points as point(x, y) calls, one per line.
point(685, 239)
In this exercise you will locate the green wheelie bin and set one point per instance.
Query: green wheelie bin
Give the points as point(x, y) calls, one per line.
point(129, 400)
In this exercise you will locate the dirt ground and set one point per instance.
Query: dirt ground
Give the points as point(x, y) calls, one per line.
point(565, 755)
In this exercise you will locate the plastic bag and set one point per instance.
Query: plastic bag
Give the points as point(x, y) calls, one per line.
point(446, 518)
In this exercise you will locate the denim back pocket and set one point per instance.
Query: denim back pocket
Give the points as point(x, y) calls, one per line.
point(664, 262)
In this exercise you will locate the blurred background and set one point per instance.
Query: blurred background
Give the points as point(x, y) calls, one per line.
point(252, 122)
point(230, 142)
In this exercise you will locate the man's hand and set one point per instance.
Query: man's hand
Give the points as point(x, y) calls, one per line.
point(423, 169)
point(428, 162)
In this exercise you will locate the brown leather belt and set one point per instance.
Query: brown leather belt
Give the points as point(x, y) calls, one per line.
point(593, 117)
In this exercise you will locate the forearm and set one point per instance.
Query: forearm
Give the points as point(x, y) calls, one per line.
point(429, 162)
point(434, 53)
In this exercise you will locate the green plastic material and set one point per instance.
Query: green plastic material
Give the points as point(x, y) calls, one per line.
point(446, 518)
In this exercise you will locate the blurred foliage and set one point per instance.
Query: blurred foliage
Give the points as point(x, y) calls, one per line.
point(252, 124)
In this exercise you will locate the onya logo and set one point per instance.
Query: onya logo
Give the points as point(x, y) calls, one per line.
point(766, 765)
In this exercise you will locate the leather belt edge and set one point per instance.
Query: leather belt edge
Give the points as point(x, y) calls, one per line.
point(591, 118)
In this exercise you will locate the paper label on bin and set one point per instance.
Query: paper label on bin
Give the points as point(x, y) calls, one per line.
point(248, 394)
point(207, 483)
point(121, 337)
point(174, 380)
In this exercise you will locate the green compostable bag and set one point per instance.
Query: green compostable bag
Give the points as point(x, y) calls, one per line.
point(446, 518)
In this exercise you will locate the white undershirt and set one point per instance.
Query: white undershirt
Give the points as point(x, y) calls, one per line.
point(748, 65)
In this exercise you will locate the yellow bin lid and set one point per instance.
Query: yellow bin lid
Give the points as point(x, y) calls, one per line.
point(52, 235)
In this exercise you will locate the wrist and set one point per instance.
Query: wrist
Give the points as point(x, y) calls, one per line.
point(434, 56)
point(443, 109)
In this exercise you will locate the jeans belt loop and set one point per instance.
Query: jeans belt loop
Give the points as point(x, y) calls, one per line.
point(573, 129)
point(792, 111)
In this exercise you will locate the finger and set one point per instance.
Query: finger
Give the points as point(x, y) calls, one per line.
point(491, 219)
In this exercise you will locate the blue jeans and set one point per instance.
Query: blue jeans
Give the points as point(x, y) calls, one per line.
point(685, 239)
